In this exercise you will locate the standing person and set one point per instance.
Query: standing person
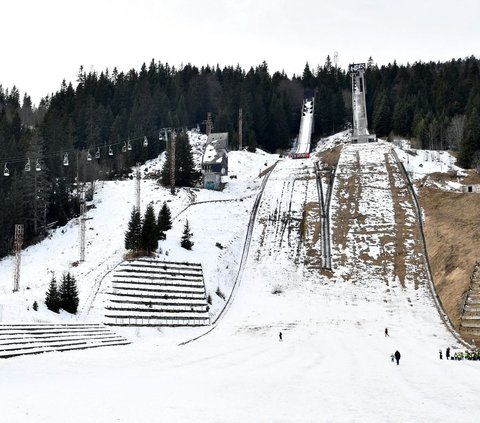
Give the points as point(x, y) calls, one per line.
point(386, 332)
point(280, 337)
point(392, 357)
point(440, 352)
point(447, 353)
point(397, 356)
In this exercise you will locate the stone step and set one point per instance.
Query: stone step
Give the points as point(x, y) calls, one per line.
point(470, 325)
point(470, 316)
point(73, 347)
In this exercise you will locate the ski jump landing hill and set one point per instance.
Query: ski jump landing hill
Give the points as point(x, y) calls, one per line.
point(302, 149)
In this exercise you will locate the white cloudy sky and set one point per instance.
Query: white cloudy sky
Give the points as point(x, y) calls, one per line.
point(46, 41)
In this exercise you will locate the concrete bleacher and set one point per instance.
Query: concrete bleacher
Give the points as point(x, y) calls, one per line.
point(149, 292)
point(36, 338)
point(470, 319)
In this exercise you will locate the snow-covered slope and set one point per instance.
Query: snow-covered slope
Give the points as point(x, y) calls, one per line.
point(333, 364)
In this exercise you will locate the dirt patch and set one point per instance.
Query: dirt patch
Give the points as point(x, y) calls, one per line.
point(330, 157)
point(472, 178)
point(312, 228)
point(452, 232)
point(348, 208)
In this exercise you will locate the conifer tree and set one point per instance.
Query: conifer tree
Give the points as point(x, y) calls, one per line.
point(134, 231)
point(164, 221)
point(69, 294)
point(185, 174)
point(149, 235)
point(186, 241)
point(52, 298)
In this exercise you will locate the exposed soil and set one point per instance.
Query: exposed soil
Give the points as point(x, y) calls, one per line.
point(330, 157)
point(452, 232)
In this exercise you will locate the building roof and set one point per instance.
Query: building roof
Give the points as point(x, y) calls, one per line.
point(216, 148)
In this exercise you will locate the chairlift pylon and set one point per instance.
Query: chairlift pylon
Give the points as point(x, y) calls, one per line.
point(6, 172)
point(65, 159)
point(27, 166)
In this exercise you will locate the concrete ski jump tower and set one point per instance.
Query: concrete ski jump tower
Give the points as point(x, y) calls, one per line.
point(359, 105)
point(302, 147)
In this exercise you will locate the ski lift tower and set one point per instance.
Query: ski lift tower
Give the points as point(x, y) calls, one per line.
point(17, 246)
point(359, 105)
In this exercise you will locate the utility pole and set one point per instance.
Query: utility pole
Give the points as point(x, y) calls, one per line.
point(137, 188)
point(208, 128)
point(82, 226)
point(240, 127)
point(172, 162)
point(18, 249)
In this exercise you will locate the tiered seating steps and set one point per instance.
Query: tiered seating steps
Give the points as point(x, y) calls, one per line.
point(149, 292)
point(37, 338)
point(470, 320)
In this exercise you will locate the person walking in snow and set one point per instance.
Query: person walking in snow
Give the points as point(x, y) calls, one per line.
point(447, 353)
point(397, 356)
point(386, 332)
point(280, 337)
point(392, 356)
point(440, 352)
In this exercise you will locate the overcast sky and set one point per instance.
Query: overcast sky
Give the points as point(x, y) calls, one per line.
point(44, 42)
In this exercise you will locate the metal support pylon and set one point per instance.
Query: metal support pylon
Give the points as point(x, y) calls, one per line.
point(17, 245)
point(82, 227)
point(138, 178)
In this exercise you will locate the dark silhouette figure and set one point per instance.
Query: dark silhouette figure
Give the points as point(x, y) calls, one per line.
point(440, 352)
point(397, 356)
point(447, 353)
point(392, 357)
point(386, 332)
point(280, 337)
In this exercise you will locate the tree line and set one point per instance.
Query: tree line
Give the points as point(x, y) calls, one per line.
point(436, 103)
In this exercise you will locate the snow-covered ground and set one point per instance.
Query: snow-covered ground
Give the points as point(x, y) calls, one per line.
point(333, 364)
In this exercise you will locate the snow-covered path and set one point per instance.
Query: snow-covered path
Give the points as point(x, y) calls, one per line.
point(332, 366)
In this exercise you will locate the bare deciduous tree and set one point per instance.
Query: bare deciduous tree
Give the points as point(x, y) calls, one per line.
point(455, 131)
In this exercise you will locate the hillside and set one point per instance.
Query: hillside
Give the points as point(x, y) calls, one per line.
point(333, 363)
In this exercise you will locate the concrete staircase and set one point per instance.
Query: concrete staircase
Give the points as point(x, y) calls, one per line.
point(149, 292)
point(35, 338)
point(470, 319)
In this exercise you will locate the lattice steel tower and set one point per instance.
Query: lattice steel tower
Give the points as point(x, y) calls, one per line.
point(82, 226)
point(17, 246)
point(138, 178)
point(359, 105)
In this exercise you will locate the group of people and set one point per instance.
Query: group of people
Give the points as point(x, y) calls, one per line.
point(465, 355)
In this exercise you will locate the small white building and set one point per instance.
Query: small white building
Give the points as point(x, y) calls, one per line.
point(215, 160)
point(471, 188)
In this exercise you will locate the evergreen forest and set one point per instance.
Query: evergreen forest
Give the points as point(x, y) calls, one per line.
point(105, 122)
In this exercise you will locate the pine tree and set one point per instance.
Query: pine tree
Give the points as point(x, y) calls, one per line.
point(69, 294)
point(164, 221)
point(149, 234)
point(471, 139)
point(186, 241)
point(134, 231)
point(185, 174)
point(52, 298)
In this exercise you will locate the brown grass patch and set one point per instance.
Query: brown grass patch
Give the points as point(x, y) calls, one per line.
point(452, 232)
point(330, 157)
